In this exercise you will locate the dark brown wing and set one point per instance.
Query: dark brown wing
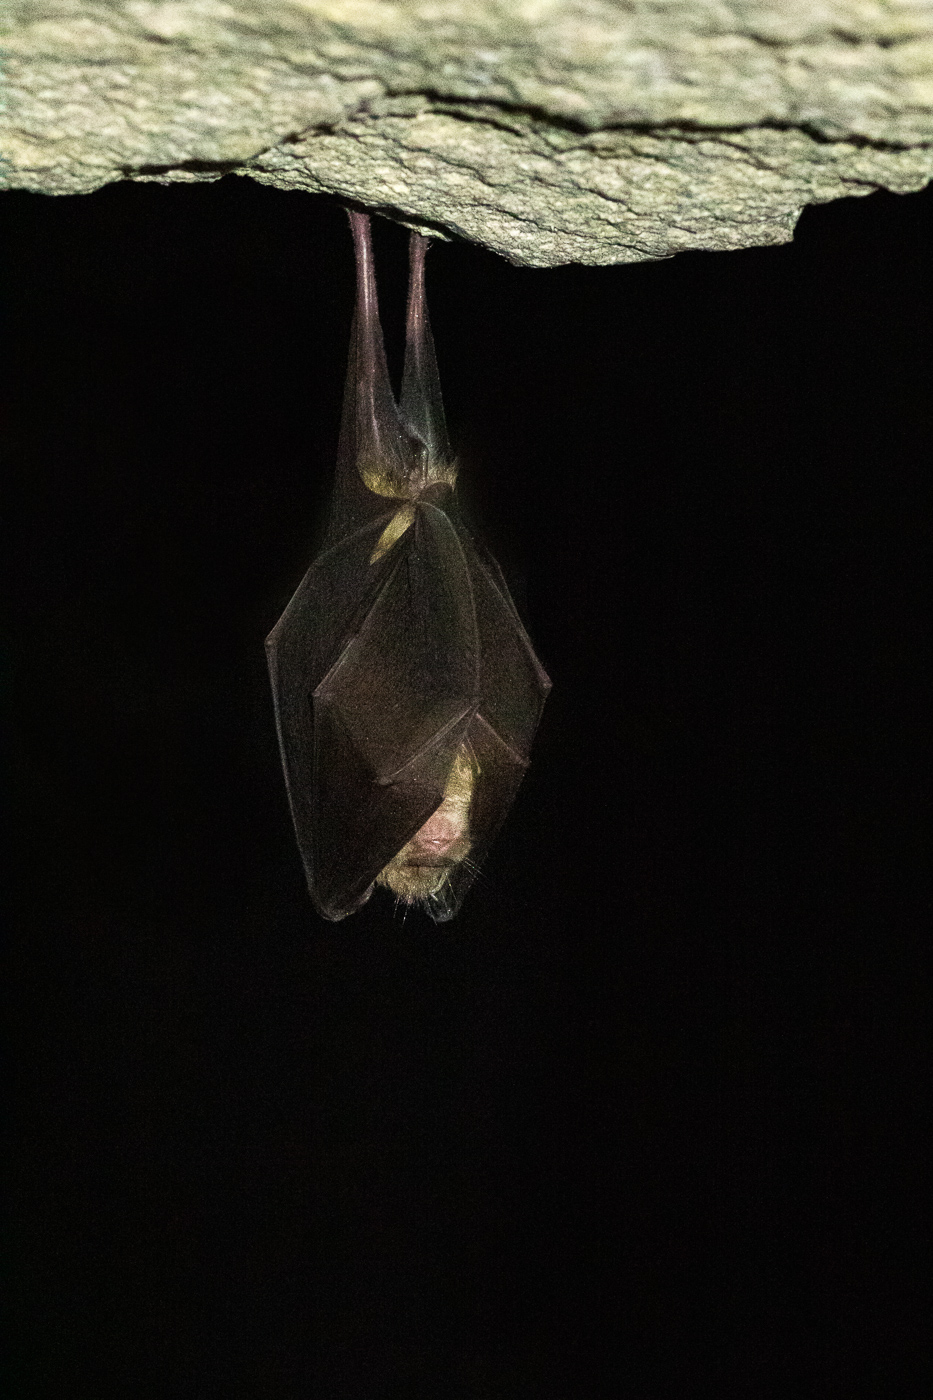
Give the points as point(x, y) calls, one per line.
point(375, 689)
point(513, 687)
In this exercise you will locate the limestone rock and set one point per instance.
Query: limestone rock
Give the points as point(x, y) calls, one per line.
point(551, 131)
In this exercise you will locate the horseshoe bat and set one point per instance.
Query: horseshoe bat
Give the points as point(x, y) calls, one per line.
point(406, 690)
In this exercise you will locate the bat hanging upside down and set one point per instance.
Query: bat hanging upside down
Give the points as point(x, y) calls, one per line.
point(406, 690)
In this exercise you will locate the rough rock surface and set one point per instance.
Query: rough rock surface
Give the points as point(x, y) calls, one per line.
point(551, 131)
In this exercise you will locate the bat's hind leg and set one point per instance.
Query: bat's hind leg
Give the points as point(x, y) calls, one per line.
point(421, 405)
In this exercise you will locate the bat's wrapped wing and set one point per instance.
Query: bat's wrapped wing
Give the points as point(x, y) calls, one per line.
point(374, 671)
point(513, 687)
point(380, 673)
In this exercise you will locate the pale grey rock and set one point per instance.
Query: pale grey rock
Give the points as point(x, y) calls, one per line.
point(551, 131)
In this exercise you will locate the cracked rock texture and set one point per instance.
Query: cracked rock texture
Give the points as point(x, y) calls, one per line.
point(594, 131)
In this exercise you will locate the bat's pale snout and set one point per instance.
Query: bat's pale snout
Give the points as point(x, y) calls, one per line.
point(421, 868)
point(439, 835)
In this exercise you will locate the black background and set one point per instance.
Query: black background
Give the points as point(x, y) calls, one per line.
point(640, 1123)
